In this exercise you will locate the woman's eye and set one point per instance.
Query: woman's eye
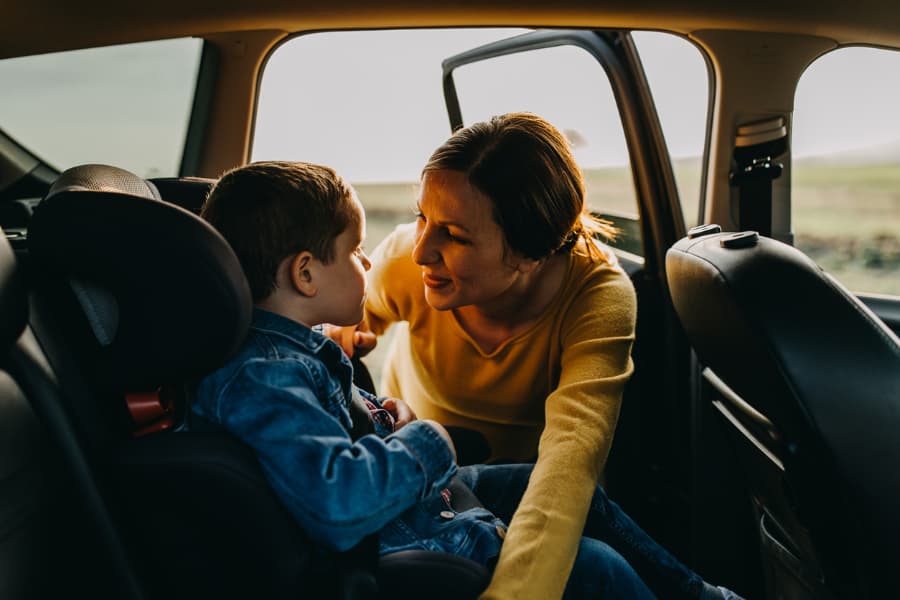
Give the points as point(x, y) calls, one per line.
point(457, 239)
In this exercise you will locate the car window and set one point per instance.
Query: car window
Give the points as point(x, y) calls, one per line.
point(368, 103)
point(126, 105)
point(845, 171)
point(569, 88)
point(679, 81)
point(371, 105)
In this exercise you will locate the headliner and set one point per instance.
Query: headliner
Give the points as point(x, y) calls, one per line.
point(38, 26)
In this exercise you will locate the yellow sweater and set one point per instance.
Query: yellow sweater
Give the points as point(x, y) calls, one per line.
point(553, 390)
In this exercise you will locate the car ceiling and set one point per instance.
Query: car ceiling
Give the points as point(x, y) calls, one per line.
point(60, 25)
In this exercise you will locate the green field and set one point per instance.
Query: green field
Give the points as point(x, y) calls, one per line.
point(847, 218)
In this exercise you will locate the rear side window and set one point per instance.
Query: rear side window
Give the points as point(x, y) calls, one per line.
point(845, 173)
point(126, 105)
point(679, 80)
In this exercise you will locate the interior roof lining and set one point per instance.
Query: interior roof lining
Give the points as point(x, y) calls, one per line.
point(95, 24)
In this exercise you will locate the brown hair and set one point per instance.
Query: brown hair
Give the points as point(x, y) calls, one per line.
point(524, 165)
point(270, 210)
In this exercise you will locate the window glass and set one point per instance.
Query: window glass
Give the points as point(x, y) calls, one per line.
point(126, 106)
point(371, 105)
point(845, 172)
point(368, 103)
point(569, 88)
point(679, 81)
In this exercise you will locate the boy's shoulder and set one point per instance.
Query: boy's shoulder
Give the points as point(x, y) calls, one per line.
point(273, 344)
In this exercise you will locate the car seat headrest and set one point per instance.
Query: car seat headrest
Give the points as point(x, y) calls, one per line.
point(162, 291)
point(13, 299)
point(103, 178)
point(187, 192)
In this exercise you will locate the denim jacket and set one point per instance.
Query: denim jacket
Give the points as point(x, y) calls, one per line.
point(287, 395)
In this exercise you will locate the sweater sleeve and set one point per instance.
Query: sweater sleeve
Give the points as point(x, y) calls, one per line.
point(542, 541)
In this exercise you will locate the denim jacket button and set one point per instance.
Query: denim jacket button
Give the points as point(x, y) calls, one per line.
point(501, 532)
point(448, 514)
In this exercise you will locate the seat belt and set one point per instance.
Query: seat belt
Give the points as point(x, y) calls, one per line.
point(756, 145)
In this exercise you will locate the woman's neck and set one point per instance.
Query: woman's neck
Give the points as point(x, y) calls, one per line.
point(491, 324)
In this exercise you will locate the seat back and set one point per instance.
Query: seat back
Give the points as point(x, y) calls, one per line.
point(808, 381)
point(57, 536)
point(130, 293)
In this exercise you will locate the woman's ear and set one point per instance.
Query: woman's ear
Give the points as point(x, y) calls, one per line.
point(301, 273)
point(527, 265)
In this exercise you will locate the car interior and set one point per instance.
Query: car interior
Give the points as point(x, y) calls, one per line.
point(756, 435)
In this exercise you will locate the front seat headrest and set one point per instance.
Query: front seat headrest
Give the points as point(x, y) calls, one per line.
point(162, 290)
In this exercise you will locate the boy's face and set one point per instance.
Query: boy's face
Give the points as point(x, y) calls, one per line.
point(343, 280)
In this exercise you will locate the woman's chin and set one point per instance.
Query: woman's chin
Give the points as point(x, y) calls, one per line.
point(439, 299)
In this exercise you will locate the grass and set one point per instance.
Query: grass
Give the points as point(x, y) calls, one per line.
point(847, 219)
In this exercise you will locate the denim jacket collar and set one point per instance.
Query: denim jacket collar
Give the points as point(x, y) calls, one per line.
point(307, 337)
point(310, 340)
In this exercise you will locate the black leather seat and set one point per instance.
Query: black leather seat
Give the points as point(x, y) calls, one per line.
point(132, 295)
point(56, 536)
point(808, 381)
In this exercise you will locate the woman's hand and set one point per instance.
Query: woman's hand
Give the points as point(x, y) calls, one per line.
point(400, 410)
point(354, 339)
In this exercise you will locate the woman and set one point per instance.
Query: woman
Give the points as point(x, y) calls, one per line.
point(520, 326)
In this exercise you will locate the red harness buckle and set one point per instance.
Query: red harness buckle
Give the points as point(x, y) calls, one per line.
point(150, 411)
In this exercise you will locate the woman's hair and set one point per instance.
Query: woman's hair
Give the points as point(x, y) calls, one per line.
point(524, 165)
point(270, 210)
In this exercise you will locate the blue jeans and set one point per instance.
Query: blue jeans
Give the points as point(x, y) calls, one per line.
point(613, 546)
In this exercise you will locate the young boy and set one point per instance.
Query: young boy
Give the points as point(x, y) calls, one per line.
point(345, 463)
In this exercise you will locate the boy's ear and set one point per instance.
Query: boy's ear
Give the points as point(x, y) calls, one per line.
point(301, 273)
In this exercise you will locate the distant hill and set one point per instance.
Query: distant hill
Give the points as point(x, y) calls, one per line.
point(877, 154)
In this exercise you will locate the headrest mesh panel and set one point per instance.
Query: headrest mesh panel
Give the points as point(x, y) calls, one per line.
point(103, 178)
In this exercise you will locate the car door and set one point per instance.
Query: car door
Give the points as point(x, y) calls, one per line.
point(597, 85)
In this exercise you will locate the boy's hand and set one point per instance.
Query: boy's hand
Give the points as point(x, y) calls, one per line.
point(400, 410)
point(354, 339)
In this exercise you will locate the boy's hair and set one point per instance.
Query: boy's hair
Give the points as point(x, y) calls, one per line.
point(270, 210)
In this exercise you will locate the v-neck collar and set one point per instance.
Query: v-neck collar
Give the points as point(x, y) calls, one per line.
point(528, 330)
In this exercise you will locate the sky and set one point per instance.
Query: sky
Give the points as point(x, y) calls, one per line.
point(388, 87)
point(371, 104)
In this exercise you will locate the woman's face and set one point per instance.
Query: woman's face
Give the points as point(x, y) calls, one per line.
point(459, 246)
